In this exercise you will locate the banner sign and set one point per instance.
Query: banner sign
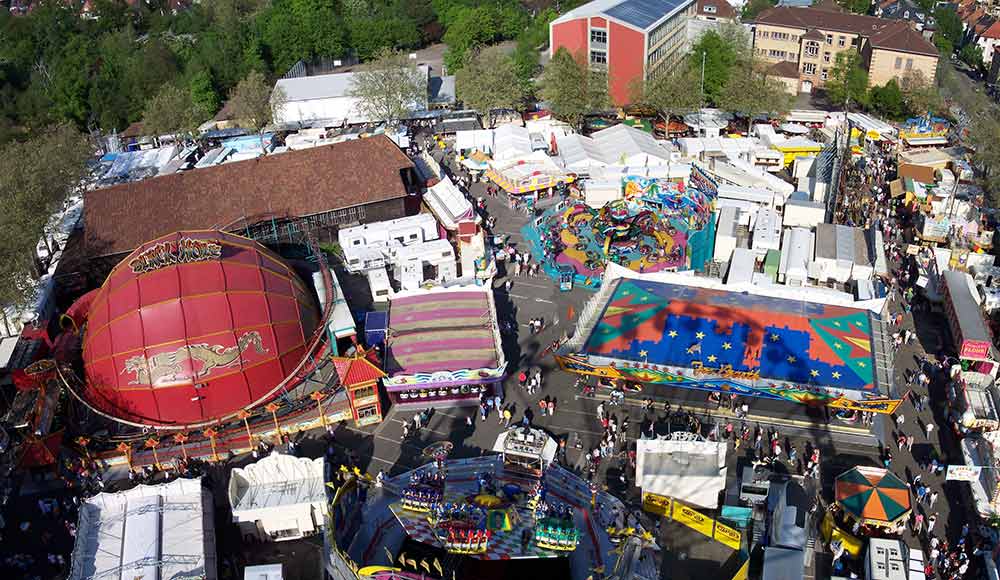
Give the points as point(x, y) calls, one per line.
point(657, 504)
point(963, 473)
point(692, 519)
point(727, 536)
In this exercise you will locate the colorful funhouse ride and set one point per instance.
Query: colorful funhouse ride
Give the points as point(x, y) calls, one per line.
point(656, 225)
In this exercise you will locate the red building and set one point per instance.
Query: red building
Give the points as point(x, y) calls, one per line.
point(633, 40)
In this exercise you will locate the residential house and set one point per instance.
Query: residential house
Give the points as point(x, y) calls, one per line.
point(633, 40)
point(811, 39)
point(709, 15)
point(904, 10)
point(989, 41)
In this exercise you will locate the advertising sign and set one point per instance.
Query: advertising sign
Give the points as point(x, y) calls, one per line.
point(729, 536)
point(975, 349)
point(656, 504)
point(692, 519)
point(963, 473)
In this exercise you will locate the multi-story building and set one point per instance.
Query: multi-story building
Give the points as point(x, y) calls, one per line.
point(632, 40)
point(811, 38)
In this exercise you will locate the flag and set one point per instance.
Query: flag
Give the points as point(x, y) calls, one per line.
point(402, 558)
point(388, 554)
point(437, 566)
point(425, 565)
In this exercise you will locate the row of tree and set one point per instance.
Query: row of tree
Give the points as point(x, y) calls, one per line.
point(102, 73)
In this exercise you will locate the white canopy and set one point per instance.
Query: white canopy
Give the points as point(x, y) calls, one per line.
point(481, 139)
point(510, 142)
point(685, 467)
point(448, 203)
point(626, 145)
point(150, 531)
point(277, 480)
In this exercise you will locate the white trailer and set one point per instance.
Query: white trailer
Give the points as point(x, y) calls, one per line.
point(378, 282)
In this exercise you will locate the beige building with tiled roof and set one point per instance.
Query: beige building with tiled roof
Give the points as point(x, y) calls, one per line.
point(811, 38)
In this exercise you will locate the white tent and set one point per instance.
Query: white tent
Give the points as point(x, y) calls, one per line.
point(684, 467)
point(481, 139)
point(581, 153)
point(510, 142)
point(150, 531)
point(630, 146)
point(281, 496)
point(448, 204)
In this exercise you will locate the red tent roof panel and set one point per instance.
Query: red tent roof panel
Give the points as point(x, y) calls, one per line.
point(191, 342)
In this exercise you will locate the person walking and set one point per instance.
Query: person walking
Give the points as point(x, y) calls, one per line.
point(932, 499)
point(929, 428)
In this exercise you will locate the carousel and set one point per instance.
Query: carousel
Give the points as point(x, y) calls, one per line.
point(872, 501)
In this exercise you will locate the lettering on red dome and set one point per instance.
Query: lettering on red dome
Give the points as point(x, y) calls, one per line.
point(169, 253)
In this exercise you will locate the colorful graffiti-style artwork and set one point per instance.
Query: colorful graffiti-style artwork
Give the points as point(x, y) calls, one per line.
point(825, 350)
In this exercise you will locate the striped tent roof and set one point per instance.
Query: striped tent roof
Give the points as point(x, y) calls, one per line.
point(873, 496)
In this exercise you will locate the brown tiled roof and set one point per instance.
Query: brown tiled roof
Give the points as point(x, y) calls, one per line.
point(133, 130)
point(722, 9)
point(806, 18)
point(983, 24)
point(814, 35)
point(993, 31)
point(901, 37)
point(299, 183)
point(784, 69)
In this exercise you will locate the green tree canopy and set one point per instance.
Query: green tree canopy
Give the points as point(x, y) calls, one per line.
point(36, 176)
point(887, 100)
point(571, 88)
point(948, 24)
point(489, 81)
point(754, 7)
point(671, 93)
point(848, 81)
point(972, 55)
point(254, 103)
point(172, 111)
point(719, 53)
point(389, 86)
point(749, 91)
point(921, 97)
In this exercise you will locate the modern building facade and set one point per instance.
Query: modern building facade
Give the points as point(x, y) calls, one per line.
point(811, 39)
point(633, 40)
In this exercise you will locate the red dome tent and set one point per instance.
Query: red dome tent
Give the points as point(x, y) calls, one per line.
point(192, 327)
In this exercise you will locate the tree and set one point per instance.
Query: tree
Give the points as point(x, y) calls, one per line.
point(749, 91)
point(671, 92)
point(754, 7)
point(972, 55)
point(480, 26)
point(489, 81)
point(856, 6)
point(920, 96)
point(949, 26)
point(203, 93)
point(571, 88)
point(171, 111)
point(848, 81)
point(389, 87)
point(717, 54)
point(887, 100)
point(36, 176)
point(254, 103)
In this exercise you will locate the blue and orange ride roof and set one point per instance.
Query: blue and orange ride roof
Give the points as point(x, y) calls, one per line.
point(657, 323)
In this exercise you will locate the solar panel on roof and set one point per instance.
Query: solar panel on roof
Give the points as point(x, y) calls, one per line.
point(643, 13)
